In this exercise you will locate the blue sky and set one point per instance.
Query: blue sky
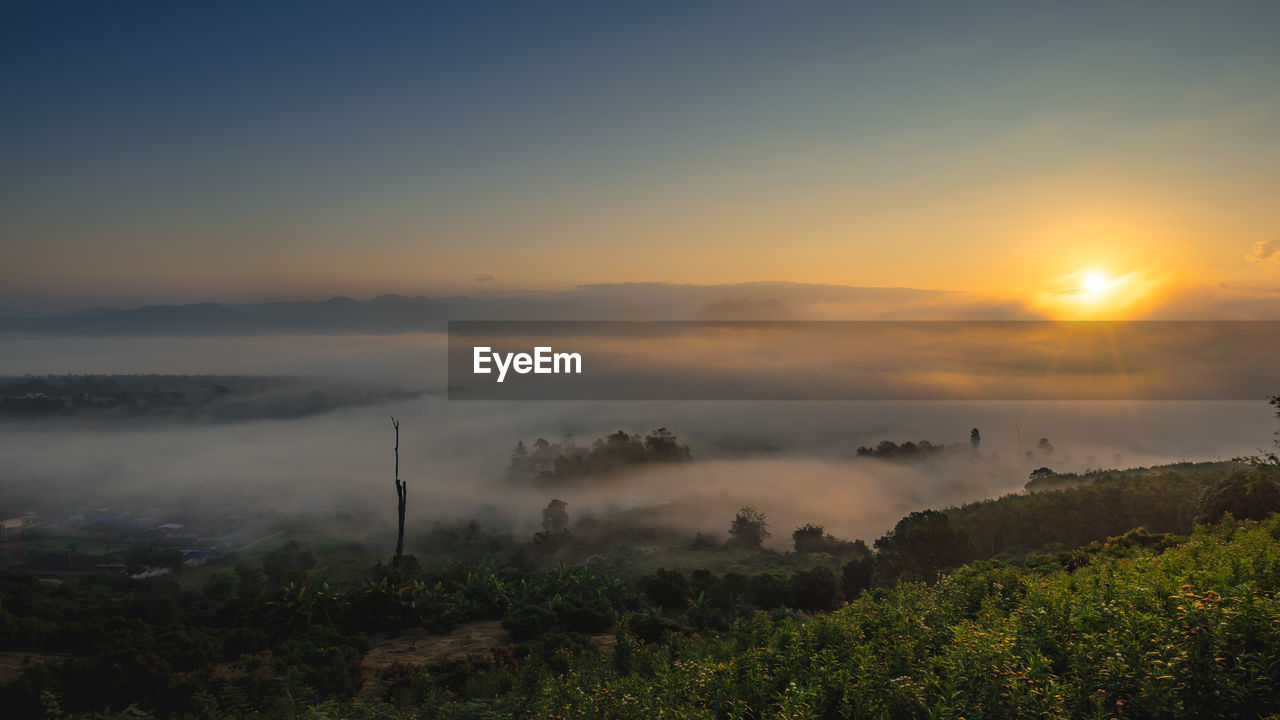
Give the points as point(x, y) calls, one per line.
point(177, 151)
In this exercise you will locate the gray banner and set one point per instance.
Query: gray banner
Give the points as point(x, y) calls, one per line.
point(945, 360)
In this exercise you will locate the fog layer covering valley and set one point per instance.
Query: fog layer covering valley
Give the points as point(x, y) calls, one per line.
point(794, 461)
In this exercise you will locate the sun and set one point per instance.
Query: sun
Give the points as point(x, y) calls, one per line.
point(1093, 293)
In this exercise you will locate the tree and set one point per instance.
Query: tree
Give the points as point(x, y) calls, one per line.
point(1246, 495)
point(555, 526)
point(921, 544)
point(555, 517)
point(811, 538)
point(520, 461)
point(614, 453)
point(975, 439)
point(814, 589)
point(808, 538)
point(222, 585)
point(402, 493)
point(290, 561)
point(769, 590)
point(661, 445)
point(749, 529)
point(1045, 447)
point(1271, 457)
point(667, 589)
point(855, 576)
point(909, 450)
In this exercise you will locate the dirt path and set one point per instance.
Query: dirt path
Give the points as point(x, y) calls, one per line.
point(13, 664)
point(416, 647)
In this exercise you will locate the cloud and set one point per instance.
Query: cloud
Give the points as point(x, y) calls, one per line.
point(1266, 252)
point(1219, 301)
point(485, 277)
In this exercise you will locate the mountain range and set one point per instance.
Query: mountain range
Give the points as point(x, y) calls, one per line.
point(396, 313)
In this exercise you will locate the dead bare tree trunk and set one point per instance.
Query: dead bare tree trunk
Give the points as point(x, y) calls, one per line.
point(402, 492)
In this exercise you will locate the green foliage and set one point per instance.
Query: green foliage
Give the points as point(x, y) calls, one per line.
point(1192, 632)
point(650, 626)
point(326, 660)
point(288, 563)
point(1142, 625)
point(567, 599)
point(555, 517)
point(1099, 505)
point(556, 462)
point(1250, 495)
point(749, 529)
point(856, 575)
point(666, 589)
point(527, 621)
point(906, 452)
point(815, 589)
point(921, 544)
point(1139, 623)
point(769, 590)
point(812, 538)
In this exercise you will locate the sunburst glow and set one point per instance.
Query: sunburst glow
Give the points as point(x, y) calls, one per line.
point(1094, 294)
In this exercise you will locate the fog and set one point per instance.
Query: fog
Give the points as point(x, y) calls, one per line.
point(793, 460)
point(414, 359)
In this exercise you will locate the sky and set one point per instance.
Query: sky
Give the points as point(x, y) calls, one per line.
point(180, 152)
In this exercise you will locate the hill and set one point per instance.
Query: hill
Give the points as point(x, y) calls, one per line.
point(1141, 624)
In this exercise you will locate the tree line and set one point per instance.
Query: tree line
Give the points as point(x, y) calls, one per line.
point(547, 461)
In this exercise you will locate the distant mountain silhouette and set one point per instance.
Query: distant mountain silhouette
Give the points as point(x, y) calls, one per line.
point(397, 314)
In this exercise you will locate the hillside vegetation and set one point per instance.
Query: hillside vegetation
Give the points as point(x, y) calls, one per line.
point(1150, 622)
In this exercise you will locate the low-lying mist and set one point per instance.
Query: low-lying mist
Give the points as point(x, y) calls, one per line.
point(794, 461)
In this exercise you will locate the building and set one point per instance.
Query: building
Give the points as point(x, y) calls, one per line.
point(195, 558)
point(14, 527)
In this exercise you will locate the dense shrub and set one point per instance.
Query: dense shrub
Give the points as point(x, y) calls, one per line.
point(1249, 495)
point(856, 576)
point(814, 589)
point(1191, 632)
point(769, 590)
point(667, 589)
point(527, 621)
